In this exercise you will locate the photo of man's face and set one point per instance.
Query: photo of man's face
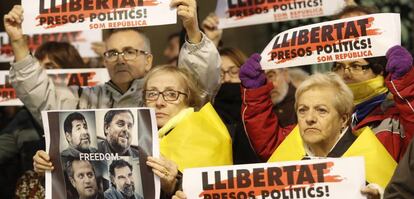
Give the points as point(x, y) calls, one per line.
point(83, 179)
point(79, 138)
point(119, 131)
point(124, 181)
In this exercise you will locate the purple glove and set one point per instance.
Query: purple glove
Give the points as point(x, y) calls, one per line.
point(399, 61)
point(251, 73)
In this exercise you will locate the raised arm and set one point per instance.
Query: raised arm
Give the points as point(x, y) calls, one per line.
point(259, 120)
point(198, 54)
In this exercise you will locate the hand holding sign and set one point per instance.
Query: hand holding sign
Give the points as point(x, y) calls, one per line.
point(179, 195)
point(187, 11)
point(167, 170)
point(210, 28)
point(399, 61)
point(251, 73)
point(13, 26)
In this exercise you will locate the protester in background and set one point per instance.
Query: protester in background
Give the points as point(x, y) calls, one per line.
point(382, 102)
point(323, 107)
point(401, 184)
point(228, 102)
point(297, 76)
point(172, 49)
point(55, 55)
point(174, 94)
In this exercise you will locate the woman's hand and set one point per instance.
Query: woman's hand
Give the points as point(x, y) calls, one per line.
point(372, 191)
point(167, 170)
point(179, 195)
point(41, 162)
point(251, 73)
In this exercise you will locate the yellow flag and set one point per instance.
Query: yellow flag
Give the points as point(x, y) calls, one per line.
point(379, 165)
point(199, 139)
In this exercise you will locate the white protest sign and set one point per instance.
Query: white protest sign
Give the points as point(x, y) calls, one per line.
point(67, 77)
point(235, 13)
point(338, 40)
point(81, 40)
point(46, 16)
point(331, 178)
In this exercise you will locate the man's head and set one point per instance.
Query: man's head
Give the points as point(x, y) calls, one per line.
point(127, 57)
point(82, 177)
point(121, 177)
point(172, 49)
point(76, 131)
point(280, 80)
point(118, 129)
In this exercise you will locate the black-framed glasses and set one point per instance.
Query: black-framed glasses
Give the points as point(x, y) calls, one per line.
point(353, 68)
point(167, 95)
point(127, 54)
point(232, 71)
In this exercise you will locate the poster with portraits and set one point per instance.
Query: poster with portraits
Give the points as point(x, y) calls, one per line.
point(101, 153)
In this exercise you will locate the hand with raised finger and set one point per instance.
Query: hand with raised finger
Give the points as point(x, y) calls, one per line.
point(251, 73)
point(167, 170)
point(187, 11)
point(210, 28)
point(41, 162)
point(179, 195)
point(399, 61)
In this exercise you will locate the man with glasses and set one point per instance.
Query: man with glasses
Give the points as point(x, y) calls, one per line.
point(128, 58)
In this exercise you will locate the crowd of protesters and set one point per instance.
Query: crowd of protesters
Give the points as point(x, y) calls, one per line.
point(259, 108)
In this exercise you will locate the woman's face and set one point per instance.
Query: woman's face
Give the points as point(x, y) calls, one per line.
point(319, 121)
point(166, 109)
point(229, 71)
point(354, 71)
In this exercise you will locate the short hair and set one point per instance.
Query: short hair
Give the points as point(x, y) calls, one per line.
point(355, 9)
point(147, 43)
point(62, 53)
point(67, 124)
point(344, 98)
point(69, 166)
point(235, 55)
point(197, 96)
point(118, 164)
point(109, 116)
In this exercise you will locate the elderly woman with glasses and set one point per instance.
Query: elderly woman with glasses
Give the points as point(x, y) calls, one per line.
point(174, 94)
point(324, 104)
point(383, 102)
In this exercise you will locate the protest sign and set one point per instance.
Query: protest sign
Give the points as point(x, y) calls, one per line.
point(61, 77)
point(338, 40)
point(43, 16)
point(97, 152)
point(336, 178)
point(235, 13)
point(81, 40)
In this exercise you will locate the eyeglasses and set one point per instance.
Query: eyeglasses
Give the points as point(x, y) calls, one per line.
point(353, 68)
point(128, 54)
point(167, 95)
point(232, 71)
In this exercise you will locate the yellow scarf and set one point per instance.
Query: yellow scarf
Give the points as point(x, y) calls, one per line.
point(379, 165)
point(366, 90)
point(196, 139)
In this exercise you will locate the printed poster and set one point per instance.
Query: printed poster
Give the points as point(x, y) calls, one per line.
point(332, 41)
point(101, 153)
point(48, 16)
point(327, 178)
point(236, 13)
point(67, 77)
point(81, 40)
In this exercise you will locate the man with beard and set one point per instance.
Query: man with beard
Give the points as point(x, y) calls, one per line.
point(82, 176)
point(122, 181)
point(283, 95)
point(118, 136)
point(77, 136)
